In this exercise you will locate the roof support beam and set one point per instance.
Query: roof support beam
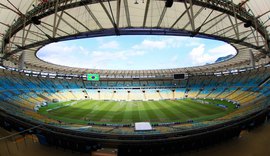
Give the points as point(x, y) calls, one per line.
point(47, 36)
point(226, 29)
point(60, 30)
point(255, 34)
point(107, 12)
point(162, 16)
point(146, 12)
point(12, 42)
point(214, 24)
point(77, 21)
point(203, 23)
point(262, 43)
point(9, 8)
point(127, 13)
point(206, 22)
point(21, 61)
point(235, 20)
point(234, 26)
point(240, 33)
point(5, 24)
point(93, 16)
point(37, 34)
point(24, 37)
point(243, 3)
point(23, 33)
point(118, 6)
point(19, 37)
point(54, 18)
point(263, 14)
point(267, 44)
point(56, 27)
point(70, 25)
point(201, 9)
point(177, 20)
point(111, 18)
point(190, 14)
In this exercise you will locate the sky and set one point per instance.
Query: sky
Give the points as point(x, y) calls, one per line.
point(135, 52)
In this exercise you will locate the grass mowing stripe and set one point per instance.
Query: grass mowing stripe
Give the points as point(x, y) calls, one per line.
point(143, 112)
point(60, 111)
point(93, 106)
point(99, 116)
point(200, 108)
point(181, 108)
point(68, 109)
point(192, 113)
point(118, 117)
point(171, 115)
point(85, 110)
point(157, 110)
point(210, 106)
point(178, 109)
point(79, 110)
point(128, 113)
point(160, 115)
point(150, 112)
point(135, 112)
point(113, 111)
point(194, 108)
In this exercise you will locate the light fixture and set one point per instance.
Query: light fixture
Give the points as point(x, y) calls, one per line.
point(168, 3)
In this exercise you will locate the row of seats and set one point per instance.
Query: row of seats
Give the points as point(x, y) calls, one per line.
point(26, 92)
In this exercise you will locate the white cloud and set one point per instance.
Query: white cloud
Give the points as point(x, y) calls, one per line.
point(193, 42)
point(109, 45)
point(174, 41)
point(198, 56)
point(160, 43)
point(224, 50)
point(101, 59)
point(58, 53)
point(108, 55)
point(77, 56)
point(148, 44)
point(114, 57)
point(59, 47)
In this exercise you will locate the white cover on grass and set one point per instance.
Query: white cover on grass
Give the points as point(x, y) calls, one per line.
point(143, 126)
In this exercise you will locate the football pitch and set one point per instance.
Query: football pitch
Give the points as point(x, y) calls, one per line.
point(126, 112)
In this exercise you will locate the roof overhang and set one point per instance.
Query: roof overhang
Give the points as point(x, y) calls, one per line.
point(61, 20)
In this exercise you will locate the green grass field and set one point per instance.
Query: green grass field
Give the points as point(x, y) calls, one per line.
point(123, 112)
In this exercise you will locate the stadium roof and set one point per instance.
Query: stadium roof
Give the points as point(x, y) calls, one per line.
point(26, 26)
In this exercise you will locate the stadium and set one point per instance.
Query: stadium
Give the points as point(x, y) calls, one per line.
point(132, 112)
